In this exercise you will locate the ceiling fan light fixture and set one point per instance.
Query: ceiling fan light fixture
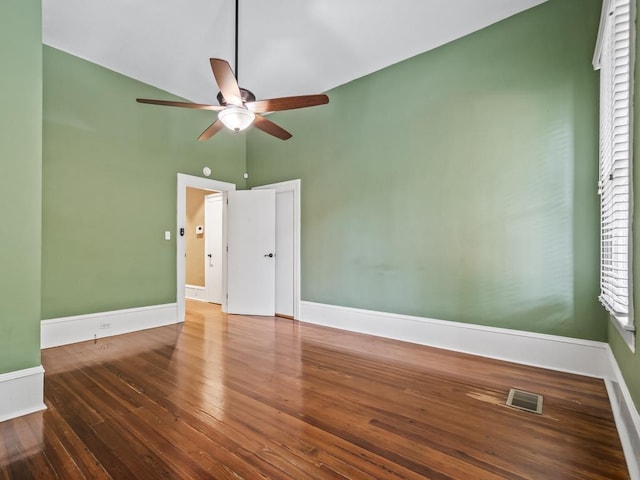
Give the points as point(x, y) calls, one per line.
point(236, 118)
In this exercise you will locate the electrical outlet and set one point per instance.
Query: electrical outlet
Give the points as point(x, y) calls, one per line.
point(104, 326)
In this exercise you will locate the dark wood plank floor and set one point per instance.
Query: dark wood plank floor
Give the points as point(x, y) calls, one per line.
point(266, 398)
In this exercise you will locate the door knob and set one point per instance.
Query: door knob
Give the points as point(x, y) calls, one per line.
point(270, 255)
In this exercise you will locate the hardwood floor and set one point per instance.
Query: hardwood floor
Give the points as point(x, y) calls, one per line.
point(250, 397)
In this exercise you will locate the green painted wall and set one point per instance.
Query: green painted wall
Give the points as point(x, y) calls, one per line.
point(629, 362)
point(459, 184)
point(109, 186)
point(20, 183)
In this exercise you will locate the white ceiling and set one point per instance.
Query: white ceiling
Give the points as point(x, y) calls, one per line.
point(286, 47)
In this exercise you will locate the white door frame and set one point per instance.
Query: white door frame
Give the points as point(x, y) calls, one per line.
point(185, 181)
point(292, 186)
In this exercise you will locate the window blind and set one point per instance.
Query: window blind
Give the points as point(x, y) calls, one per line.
point(613, 58)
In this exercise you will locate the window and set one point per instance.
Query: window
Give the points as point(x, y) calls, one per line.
point(614, 59)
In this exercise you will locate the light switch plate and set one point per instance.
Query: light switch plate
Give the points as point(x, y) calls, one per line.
point(167, 235)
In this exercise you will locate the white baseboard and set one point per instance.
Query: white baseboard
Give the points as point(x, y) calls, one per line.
point(79, 328)
point(582, 357)
point(627, 417)
point(194, 292)
point(21, 392)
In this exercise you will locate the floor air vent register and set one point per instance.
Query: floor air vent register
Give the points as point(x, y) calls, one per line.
point(529, 402)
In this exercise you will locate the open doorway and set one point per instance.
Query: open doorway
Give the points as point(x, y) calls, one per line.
point(185, 182)
point(203, 245)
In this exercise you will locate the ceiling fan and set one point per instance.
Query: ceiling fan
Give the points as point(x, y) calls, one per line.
point(238, 107)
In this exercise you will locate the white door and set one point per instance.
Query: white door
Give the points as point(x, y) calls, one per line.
point(250, 217)
point(213, 248)
point(287, 246)
point(284, 252)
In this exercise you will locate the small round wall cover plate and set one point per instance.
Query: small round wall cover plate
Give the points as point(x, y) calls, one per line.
point(246, 175)
point(206, 171)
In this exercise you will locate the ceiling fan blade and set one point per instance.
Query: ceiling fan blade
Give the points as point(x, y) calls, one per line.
point(167, 103)
point(226, 81)
point(211, 130)
point(287, 103)
point(271, 128)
